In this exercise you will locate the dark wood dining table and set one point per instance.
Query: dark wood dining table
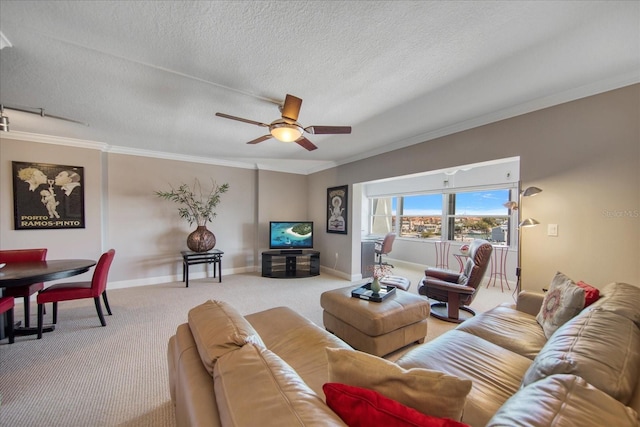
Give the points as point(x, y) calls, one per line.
point(25, 273)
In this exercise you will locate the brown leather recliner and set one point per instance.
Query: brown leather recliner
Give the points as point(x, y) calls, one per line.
point(455, 291)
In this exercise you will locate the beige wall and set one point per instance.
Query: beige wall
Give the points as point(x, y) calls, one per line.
point(281, 197)
point(585, 155)
point(69, 243)
point(122, 211)
point(147, 230)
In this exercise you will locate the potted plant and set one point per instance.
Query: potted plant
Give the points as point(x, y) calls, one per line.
point(197, 207)
point(380, 271)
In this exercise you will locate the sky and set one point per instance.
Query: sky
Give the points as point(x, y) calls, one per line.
point(472, 203)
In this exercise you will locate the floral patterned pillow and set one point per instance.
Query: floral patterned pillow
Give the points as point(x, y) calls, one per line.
point(564, 300)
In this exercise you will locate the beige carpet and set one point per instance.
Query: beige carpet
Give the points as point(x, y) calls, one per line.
point(85, 375)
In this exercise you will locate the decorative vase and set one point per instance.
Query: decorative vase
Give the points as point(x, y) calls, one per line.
point(375, 285)
point(201, 240)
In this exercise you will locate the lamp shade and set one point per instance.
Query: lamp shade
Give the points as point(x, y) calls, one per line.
point(285, 132)
point(529, 222)
point(531, 191)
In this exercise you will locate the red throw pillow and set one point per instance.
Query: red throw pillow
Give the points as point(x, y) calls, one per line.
point(591, 294)
point(361, 407)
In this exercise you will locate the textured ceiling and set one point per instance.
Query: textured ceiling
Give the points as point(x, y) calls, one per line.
point(148, 76)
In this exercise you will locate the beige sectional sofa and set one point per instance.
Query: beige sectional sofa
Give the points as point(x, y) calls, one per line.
point(268, 368)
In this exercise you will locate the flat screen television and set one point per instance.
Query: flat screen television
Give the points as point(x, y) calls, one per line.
point(291, 235)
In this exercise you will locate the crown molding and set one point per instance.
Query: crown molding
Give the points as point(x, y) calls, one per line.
point(114, 149)
point(306, 168)
point(179, 157)
point(275, 165)
point(55, 140)
point(541, 103)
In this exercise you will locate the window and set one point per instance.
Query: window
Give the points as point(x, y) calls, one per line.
point(421, 216)
point(478, 215)
point(461, 216)
point(382, 215)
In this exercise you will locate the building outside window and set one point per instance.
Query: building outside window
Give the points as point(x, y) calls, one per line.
point(421, 216)
point(478, 215)
point(461, 216)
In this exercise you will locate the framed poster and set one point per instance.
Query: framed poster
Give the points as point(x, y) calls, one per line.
point(337, 209)
point(47, 196)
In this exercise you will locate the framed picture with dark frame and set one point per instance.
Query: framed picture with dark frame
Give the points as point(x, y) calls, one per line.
point(337, 209)
point(47, 196)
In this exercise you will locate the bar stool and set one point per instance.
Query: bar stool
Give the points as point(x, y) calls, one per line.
point(442, 254)
point(499, 266)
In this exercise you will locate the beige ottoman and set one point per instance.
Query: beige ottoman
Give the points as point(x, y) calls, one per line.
point(375, 327)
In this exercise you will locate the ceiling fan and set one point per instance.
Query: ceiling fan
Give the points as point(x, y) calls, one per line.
point(287, 129)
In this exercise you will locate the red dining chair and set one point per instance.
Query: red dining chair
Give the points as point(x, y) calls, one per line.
point(23, 255)
point(6, 306)
point(79, 290)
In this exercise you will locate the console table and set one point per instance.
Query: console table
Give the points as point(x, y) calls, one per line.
point(290, 263)
point(213, 256)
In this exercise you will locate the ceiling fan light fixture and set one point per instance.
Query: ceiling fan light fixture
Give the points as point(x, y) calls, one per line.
point(285, 132)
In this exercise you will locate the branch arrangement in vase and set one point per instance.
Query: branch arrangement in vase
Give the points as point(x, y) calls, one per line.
point(196, 206)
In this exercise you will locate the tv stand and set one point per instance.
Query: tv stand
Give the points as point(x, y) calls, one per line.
point(290, 263)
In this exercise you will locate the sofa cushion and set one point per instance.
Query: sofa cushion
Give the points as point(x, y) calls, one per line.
point(600, 346)
point(563, 301)
point(428, 391)
point(563, 400)
point(361, 407)
point(218, 328)
point(194, 396)
point(620, 298)
point(298, 341)
point(509, 328)
point(254, 387)
point(496, 373)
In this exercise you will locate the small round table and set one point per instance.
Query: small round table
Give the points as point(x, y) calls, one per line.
point(462, 259)
point(25, 273)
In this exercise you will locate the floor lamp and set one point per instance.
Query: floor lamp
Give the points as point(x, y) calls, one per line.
point(528, 222)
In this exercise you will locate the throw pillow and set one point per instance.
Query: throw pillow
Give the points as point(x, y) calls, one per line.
point(427, 391)
point(591, 294)
point(360, 407)
point(564, 300)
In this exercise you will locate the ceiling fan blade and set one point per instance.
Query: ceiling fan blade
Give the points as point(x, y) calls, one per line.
point(262, 138)
point(240, 119)
point(324, 130)
point(291, 107)
point(304, 142)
